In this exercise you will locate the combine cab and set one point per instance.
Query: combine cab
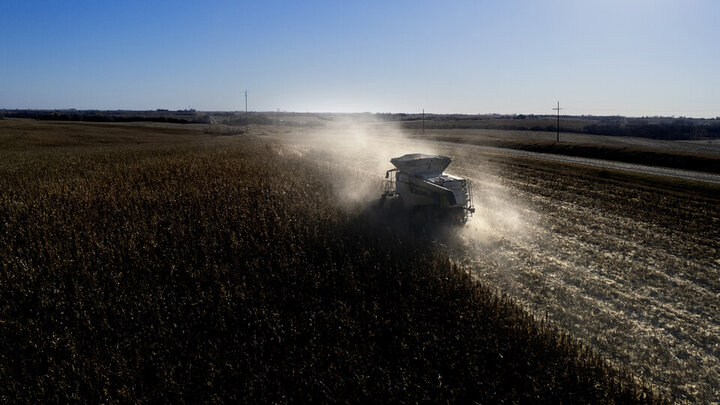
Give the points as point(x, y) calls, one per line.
point(419, 186)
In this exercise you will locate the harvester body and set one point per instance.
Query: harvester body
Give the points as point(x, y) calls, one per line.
point(418, 184)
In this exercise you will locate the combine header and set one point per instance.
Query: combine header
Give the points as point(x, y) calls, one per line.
point(418, 185)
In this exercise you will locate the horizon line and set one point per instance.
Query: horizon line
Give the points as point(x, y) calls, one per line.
point(357, 112)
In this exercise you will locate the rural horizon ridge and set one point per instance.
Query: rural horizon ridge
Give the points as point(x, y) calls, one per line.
point(401, 113)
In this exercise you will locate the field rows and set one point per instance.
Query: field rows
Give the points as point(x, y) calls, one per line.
point(233, 269)
point(635, 273)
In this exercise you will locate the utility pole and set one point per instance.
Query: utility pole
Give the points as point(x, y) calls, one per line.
point(246, 117)
point(558, 122)
point(423, 121)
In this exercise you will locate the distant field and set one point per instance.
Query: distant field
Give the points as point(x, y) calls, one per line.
point(661, 128)
point(165, 263)
point(709, 146)
point(687, 155)
point(667, 142)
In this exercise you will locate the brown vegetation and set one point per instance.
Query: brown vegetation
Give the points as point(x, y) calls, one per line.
point(199, 268)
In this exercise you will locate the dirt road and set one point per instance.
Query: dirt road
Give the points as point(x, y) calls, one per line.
point(632, 269)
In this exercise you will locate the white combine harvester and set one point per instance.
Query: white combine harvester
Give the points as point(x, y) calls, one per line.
point(420, 187)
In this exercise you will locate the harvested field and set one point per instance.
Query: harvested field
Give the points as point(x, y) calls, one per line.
point(631, 269)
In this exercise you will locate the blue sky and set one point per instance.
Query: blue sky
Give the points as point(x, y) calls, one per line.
point(604, 57)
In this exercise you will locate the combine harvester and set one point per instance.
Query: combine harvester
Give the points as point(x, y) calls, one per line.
point(424, 192)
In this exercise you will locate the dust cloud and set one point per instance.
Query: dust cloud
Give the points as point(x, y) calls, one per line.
point(358, 151)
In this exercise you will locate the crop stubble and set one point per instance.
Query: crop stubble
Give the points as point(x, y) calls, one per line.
point(631, 269)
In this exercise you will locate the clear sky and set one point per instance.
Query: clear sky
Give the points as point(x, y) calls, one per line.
point(602, 57)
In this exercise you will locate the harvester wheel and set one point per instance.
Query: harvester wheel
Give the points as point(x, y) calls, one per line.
point(381, 203)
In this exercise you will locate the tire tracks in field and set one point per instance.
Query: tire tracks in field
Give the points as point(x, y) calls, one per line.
point(607, 278)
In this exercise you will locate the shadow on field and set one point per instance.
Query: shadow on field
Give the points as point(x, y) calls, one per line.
point(419, 224)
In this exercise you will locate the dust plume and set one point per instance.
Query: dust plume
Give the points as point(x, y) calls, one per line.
point(357, 149)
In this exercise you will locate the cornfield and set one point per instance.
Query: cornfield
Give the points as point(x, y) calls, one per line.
point(185, 267)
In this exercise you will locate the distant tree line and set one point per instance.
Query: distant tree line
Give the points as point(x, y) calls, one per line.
point(101, 116)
